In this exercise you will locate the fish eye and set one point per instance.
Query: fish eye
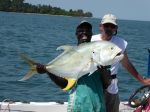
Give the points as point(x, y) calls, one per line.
point(111, 48)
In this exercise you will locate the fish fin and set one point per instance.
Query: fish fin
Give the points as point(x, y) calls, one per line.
point(32, 70)
point(28, 75)
point(27, 59)
point(93, 67)
point(92, 71)
point(65, 48)
point(71, 82)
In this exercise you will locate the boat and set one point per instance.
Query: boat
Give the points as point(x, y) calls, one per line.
point(46, 107)
point(139, 101)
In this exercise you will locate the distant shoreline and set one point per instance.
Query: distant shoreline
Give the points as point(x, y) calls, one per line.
point(45, 14)
point(22, 7)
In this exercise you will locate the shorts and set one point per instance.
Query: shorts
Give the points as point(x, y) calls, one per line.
point(112, 102)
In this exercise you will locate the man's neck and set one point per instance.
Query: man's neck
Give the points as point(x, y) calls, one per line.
point(106, 37)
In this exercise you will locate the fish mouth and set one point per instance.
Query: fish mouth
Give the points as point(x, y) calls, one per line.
point(118, 54)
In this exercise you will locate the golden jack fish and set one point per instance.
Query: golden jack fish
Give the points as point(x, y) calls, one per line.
point(76, 61)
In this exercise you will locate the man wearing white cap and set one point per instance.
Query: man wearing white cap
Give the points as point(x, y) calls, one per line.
point(108, 28)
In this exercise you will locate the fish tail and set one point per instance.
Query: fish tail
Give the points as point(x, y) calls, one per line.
point(32, 65)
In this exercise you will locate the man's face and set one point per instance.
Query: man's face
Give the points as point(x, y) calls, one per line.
point(108, 30)
point(83, 34)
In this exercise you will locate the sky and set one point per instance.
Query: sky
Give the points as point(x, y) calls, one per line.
point(122, 9)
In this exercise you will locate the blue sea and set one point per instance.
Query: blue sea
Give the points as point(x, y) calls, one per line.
point(38, 36)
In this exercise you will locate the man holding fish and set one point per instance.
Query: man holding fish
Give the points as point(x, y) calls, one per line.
point(79, 70)
point(82, 80)
point(85, 94)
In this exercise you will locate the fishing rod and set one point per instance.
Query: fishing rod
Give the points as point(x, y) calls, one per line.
point(148, 67)
point(140, 99)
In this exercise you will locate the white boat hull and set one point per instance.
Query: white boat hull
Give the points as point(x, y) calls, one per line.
point(45, 107)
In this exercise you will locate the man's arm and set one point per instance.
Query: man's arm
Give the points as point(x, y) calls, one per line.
point(105, 75)
point(59, 81)
point(131, 69)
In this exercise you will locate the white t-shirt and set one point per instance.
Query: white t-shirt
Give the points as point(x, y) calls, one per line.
point(121, 43)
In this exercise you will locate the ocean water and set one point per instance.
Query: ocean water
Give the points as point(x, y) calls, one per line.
point(38, 36)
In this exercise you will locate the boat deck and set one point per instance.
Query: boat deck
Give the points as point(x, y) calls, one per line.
point(45, 107)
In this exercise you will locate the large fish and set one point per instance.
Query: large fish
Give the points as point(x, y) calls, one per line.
point(77, 61)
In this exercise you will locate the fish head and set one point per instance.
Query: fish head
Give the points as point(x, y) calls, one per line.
point(107, 54)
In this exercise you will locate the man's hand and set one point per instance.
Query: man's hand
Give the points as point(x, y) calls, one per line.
point(146, 81)
point(103, 68)
point(41, 68)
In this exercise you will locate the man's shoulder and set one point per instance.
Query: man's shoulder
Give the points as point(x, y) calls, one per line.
point(120, 42)
point(117, 38)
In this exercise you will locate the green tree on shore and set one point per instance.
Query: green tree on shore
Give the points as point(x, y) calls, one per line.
point(20, 6)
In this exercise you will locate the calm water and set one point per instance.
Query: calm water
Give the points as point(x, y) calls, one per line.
point(39, 35)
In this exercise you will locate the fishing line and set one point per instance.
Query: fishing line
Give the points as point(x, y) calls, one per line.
point(148, 67)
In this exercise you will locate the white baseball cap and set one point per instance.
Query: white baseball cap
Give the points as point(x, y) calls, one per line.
point(109, 18)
